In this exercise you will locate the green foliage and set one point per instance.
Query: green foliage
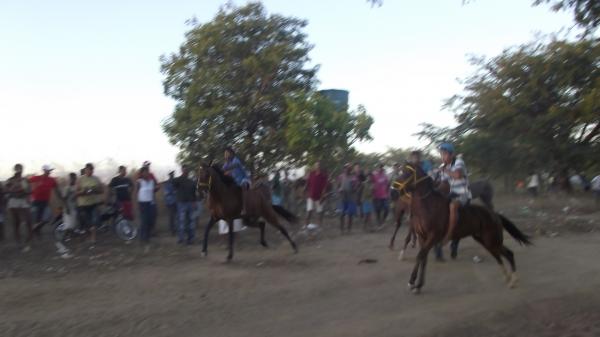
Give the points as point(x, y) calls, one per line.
point(586, 13)
point(533, 107)
point(242, 80)
point(317, 130)
point(232, 79)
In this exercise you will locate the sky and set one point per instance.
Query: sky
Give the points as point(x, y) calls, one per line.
point(80, 81)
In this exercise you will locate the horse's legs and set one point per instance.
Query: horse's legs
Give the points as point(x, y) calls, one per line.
point(413, 275)
point(231, 239)
point(508, 254)
point(424, 252)
point(409, 236)
point(398, 224)
point(422, 257)
point(207, 229)
point(495, 250)
point(263, 242)
point(284, 231)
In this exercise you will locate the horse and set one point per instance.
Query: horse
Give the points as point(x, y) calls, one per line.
point(429, 218)
point(227, 201)
point(481, 189)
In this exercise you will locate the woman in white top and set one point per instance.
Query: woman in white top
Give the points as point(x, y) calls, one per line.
point(145, 189)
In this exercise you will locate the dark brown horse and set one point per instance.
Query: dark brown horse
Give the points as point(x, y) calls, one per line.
point(429, 218)
point(226, 201)
point(481, 189)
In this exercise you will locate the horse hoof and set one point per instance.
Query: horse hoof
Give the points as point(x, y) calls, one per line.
point(411, 286)
point(513, 281)
point(416, 291)
point(401, 255)
point(203, 254)
point(264, 244)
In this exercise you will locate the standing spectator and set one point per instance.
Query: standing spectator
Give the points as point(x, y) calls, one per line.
point(70, 215)
point(286, 185)
point(89, 196)
point(146, 187)
point(315, 189)
point(171, 202)
point(381, 186)
point(348, 185)
point(361, 177)
point(42, 187)
point(185, 189)
point(534, 184)
point(70, 202)
point(2, 205)
point(277, 190)
point(18, 191)
point(122, 187)
point(147, 164)
point(367, 202)
point(595, 186)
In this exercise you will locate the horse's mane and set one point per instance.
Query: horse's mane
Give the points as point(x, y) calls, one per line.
point(429, 180)
point(227, 180)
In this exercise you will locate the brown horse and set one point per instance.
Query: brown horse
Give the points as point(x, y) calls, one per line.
point(226, 201)
point(481, 189)
point(402, 207)
point(429, 218)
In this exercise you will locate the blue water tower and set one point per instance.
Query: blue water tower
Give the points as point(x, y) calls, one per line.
point(337, 96)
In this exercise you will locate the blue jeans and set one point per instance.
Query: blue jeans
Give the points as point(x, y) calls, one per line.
point(147, 217)
point(185, 223)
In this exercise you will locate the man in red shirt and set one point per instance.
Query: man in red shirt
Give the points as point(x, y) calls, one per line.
point(315, 188)
point(42, 187)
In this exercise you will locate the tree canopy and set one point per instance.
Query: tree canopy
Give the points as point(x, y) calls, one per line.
point(244, 80)
point(532, 107)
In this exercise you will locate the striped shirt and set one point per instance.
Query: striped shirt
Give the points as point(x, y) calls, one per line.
point(460, 187)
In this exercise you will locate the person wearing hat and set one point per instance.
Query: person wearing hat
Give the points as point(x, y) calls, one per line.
point(42, 187)
point(147, 164)
point(454, 173)
point(18, 190)
point(89, 196)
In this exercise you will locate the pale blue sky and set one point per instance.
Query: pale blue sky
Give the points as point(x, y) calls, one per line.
point(80, 80)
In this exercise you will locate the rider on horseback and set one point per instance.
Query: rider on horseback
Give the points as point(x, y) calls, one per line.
point(454, 172)
point(233, 167)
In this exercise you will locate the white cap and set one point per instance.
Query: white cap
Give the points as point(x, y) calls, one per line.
point(47, 168)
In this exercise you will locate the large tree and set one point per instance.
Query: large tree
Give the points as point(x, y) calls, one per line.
point(586, 13)
point(533, 107)
point(232, 80)
point(318, 129)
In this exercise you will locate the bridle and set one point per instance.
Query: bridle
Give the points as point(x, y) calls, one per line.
point(207, 185)
point(401, 185)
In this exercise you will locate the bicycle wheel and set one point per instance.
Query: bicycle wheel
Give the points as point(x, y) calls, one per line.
point(125, 229)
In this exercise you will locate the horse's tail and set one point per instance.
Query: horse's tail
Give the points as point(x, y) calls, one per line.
point(284, 213)
point(512, 229)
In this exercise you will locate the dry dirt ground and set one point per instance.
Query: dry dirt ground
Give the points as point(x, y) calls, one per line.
point(118, 290)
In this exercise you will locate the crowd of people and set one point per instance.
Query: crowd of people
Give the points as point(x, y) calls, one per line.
point(360, 193)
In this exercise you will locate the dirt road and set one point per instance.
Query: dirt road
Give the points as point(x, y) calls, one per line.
point(117, 290)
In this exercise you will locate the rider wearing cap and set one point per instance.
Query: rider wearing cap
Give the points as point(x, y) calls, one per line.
point(454, 172)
